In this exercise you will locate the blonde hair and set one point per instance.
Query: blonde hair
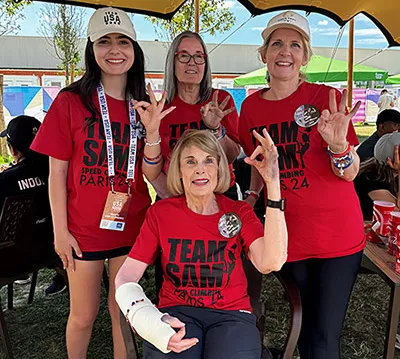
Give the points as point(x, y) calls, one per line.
point(207, 142)
point(306, 45)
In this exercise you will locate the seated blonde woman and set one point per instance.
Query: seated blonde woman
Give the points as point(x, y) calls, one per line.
point(204, 309)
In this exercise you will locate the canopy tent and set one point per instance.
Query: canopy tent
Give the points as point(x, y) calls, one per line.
point(385, 16)
point(317, 71)
point(393, 80)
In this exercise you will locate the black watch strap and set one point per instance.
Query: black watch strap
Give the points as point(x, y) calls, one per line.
point(277, 204)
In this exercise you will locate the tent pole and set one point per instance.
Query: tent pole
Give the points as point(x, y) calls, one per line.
point(196, 15)
point(350, 63)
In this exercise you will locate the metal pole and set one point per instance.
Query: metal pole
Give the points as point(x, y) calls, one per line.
point(350, 63)
point(197, 15)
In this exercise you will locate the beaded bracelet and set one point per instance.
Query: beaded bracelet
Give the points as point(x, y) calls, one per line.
point(343, 162)
point(251, 193)
point(153, 158)
point(152, 143)
point(151, 163)
point(339, 154)
point(214, 131)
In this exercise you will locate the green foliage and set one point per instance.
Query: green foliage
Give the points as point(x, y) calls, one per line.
point(12, 7)
point(5, 160)
point(10, 13)
point(215, 18)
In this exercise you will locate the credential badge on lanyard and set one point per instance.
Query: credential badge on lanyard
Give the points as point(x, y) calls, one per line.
point(117, 204)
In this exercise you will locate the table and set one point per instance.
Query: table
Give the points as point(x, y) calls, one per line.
point(377, 259)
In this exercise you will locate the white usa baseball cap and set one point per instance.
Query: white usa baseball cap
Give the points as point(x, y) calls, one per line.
point(287, 20)
point(109, 20)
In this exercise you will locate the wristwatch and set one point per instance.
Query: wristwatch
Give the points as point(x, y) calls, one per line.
point(281, 204)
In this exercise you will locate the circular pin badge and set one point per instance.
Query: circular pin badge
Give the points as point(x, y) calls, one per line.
point(306, 115)
point(229, 225)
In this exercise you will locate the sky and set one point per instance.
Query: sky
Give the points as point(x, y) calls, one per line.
point(324, 31)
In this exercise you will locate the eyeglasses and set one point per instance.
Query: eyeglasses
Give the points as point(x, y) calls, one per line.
point(184, 57)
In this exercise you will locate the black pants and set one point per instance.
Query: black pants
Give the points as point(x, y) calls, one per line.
point(222, 334)
point(325, 286)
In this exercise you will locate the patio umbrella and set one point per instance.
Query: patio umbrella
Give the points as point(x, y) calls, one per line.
point(317, 71)
point(384, 15)
point(393, 80)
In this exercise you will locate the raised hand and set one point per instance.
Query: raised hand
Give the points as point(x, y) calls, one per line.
point(268, 166)
point(333, 123)
point(152, 113)
point(176, 343)
point(213, 112)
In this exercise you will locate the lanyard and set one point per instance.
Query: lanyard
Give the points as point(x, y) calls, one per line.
point(130, 175)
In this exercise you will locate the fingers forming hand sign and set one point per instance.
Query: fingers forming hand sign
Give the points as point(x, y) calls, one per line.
point(333, 123)
point(268, 166)
point(152, 113)
point(213, 112)
point(176, 343)
point(395, 162)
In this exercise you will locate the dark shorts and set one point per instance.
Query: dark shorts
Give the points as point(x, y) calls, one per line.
point(101, 255)
point(222, 334)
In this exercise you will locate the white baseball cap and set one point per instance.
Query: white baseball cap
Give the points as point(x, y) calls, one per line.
point(107, 20)
point(384, 148)
point(287, 20)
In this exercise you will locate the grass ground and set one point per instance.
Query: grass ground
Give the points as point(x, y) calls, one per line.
point(37, 331)
point(364, 131)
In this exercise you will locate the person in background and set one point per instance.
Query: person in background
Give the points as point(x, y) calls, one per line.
point(388, 121)
point(28, 174)
point(385, 101)
point(315, 139)
point(378, 178)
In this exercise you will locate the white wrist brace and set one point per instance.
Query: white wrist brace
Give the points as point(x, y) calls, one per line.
point(143, 316)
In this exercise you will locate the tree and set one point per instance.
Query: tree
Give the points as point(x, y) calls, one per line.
point(215, 17)
point(10, 13)
point(63, 28)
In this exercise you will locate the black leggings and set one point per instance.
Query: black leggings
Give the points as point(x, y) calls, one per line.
point(325, 286)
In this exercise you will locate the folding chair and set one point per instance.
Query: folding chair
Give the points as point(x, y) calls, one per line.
point(21, 251)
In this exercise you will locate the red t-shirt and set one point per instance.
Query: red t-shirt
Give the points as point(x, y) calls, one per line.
point(201, 267)
point(323, 213)
point(63, 136)
point(188, 116)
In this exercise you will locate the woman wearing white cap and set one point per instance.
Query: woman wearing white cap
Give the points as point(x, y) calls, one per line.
point(315, 139)
point(97, 192)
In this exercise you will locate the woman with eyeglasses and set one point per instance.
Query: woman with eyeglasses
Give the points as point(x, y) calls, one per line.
point(187, 83)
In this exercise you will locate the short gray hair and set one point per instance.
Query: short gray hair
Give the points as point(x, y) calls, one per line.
point(169, 72)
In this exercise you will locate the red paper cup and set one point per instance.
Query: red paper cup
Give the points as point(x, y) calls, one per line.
point(397, 266)
point(394, 221)
point(381, 214)
point(371, 236)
